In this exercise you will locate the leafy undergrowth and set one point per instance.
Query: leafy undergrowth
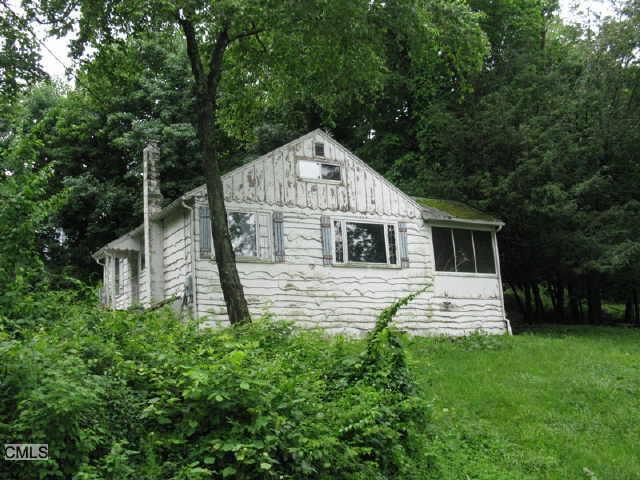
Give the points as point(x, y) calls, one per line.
point(559, 403)
point(126, 395)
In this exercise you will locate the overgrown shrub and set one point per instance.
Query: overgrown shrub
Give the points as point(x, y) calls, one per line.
point(130, 395)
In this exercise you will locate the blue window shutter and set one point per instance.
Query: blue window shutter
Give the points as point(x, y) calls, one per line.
point(278, 236)
point(205, 232)
point(327, 251)
point(404, 245)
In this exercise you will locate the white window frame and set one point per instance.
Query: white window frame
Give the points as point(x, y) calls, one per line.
point(494, 247)
point(247, 258)
point(345, 244)
point(320, 161)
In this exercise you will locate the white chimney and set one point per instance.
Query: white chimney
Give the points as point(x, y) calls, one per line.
point(152, 198)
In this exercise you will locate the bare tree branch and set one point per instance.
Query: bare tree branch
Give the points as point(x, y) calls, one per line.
point(248, 33)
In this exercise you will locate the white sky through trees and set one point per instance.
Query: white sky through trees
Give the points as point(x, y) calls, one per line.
point(55, 51)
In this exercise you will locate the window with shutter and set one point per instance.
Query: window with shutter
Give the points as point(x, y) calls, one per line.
point(205, 232)
point(404, 245)
point(278, 236)
point(250, 234)
point(327, 251)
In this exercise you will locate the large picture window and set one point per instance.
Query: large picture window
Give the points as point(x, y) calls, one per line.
point(461, 250)
point(242, 229)
point(360, 242)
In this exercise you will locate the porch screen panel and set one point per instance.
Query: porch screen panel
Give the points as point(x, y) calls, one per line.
point(443, 249)
point(465, 258)
point(484, 252)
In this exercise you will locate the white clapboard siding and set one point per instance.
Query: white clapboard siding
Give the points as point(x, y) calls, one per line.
point(122, 300)
point(272, 180)
point(347, 299)
point(176, 252)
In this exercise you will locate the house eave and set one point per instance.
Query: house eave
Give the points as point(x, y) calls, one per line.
point(437, 221)
point(123, 245)
point(172, 207)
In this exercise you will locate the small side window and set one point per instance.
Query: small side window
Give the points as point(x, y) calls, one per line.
point(319, 149)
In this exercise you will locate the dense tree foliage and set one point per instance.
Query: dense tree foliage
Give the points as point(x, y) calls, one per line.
point(499, 104)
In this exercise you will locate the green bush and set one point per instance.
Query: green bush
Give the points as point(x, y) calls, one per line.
point(130, 395)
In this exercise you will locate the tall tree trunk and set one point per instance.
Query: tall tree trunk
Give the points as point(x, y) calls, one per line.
point(574, 304)
point(636, 302)
point(517, 297)
point(232, 290)
point(629, 310)
point(556, 290)
point(206, 85)
point(538, 302)
point(527, 303)
point(594, 299)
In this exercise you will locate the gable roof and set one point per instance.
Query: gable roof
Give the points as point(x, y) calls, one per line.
point(201, 190)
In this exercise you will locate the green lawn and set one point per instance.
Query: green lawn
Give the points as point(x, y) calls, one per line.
point(562, 403)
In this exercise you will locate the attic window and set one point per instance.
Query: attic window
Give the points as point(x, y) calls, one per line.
point(319, 171)
point(319, 149)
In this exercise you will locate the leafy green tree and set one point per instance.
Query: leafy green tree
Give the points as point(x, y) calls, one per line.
point(283, 45)
point(19, 54)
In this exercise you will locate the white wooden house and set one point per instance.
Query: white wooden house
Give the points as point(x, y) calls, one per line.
point(320, 238)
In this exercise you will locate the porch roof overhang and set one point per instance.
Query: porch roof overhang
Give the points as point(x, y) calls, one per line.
point(448, 212)
point(123, 246)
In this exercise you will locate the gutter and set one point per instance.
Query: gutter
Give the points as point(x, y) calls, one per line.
point(507, 323)
point(457, 221)
point(194, 275)
point(178, 202)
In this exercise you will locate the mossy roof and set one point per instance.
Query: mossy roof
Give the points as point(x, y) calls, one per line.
point(456, 210)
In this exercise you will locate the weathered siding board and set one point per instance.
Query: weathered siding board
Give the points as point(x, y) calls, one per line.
point(123, 299)
point(175, 252)
point(273, 181)
point(346, 299)
point(142, 285)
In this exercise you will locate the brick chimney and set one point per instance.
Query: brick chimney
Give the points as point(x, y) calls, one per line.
point(152, 198)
